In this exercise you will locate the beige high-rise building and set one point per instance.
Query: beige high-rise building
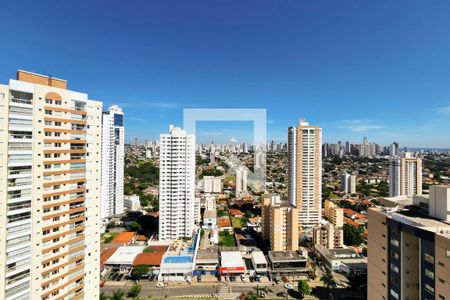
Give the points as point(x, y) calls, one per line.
point(327, 206)
point(336, 216)
point(405, 175)
point(329, 236)
point(305, 173)
point(409, 249)
point(280, 221)
point(50, 180)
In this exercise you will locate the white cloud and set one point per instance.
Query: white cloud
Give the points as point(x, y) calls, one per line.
point(233, 140)
point(444, 110)
point(211, 133)
point(359, 125)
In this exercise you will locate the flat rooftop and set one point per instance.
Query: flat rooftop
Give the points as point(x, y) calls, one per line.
point(124, 255)
point(208, 254)
point(210, 214)
point(416, 217)
point(288, 255)
point(231, 259)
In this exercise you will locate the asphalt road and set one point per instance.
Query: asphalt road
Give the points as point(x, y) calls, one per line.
point(150, 289)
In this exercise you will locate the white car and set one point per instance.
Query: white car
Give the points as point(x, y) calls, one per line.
point(288, 286)
point(160, 285)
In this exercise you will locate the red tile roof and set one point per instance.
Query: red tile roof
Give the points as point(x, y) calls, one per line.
point(350, 222)
point(141, 238)
point(150, 258)
point(236, 212)
point(224, 222)
point(124, 238)
point(105, 255)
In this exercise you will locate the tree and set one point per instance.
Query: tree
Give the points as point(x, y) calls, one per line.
point(134, 291)
point(118, 294)
point(251, 296)
point(328, 281)
point(259, 289)
point(303, 288)
point(140, 270)
point(383, 189)
point(352, 236)
point(135, 226)
point(364, 252)
point(103, 296)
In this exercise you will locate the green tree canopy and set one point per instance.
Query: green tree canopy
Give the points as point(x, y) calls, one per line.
point(140, 270)
point(352, 236)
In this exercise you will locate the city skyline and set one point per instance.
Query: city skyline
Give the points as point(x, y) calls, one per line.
point(369, 70)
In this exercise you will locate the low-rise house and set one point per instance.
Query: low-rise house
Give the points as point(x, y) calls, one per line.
point(343, 260)
point(259, 262)
point(288, 263)
point(231, 263)
point(178, 262)
point(207, 261)
point(122, 259)
point(124, 238)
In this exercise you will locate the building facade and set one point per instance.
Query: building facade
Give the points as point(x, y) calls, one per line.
point(176, 184)
point(241, 181)
point(329, 236)
point(113, 156)
point(50, 181)
point(348, 183)
point(409, 251)
point(405, 175)
point(280, 225)
point(305, 173)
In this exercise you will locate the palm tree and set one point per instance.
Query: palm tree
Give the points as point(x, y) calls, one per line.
point(328, 281)
point(260, 289)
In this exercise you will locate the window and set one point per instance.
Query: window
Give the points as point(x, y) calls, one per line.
point(48, 101)
point(48, 123)
point(394, 294)
point(429, 258)
point(429, 288)
point(58, 102)
point(429, 274)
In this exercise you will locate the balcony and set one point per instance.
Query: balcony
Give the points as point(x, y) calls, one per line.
point(22, 101)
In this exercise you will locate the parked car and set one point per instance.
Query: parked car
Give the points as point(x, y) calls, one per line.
point(282, 294)
point(160, 285)
point(288, 286)
point(243, 278)
point(261, 294)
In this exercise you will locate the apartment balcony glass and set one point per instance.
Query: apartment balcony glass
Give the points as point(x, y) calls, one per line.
point(21, 135)
point(21, 111)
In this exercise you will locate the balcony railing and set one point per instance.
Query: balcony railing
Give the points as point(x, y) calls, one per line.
point(22, 101)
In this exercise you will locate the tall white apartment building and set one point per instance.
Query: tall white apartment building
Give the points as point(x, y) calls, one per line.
point(113, 155)
point(176, 184)
point(241, 180)
point(305, 173)
point(50, 158)
point(348, 183)
point(405, 175)
point(212, 184)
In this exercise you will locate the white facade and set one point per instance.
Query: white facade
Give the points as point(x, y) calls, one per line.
point(305, 172)
point(241, 181)
point(176, 184)
point(132, 203)
point(113, 153)
point(212, 184)
point(348, 183)
point(405, 175)
point(49, 189)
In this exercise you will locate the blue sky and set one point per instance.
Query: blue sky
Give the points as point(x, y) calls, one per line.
point(357, 68)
